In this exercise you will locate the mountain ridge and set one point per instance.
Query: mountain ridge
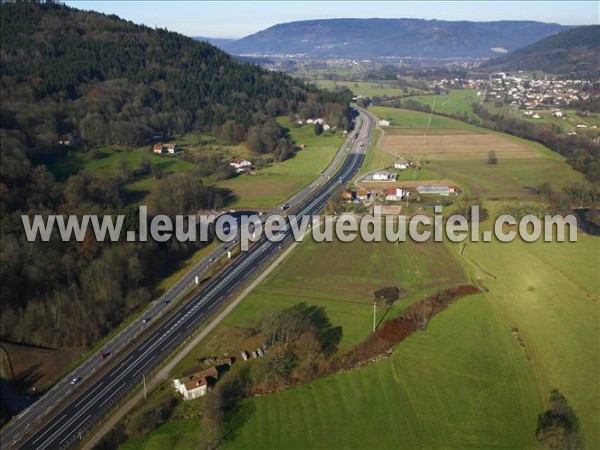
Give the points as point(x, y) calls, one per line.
point(378, 37)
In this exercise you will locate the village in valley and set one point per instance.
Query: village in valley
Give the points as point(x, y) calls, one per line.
point(531, 97)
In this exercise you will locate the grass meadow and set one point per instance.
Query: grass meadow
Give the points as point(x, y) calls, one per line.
point(268, 187)
point(278, 182)
point(365, 88)
point(481, 372)
point(550, 292)
point(464, 383)
point(452, 150)
point(457, 101)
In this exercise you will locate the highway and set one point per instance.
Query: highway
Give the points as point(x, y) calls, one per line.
point(89, 403)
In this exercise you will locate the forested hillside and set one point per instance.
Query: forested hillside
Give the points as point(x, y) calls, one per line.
point(111, 81)
point(574, 52)
point(93, 80)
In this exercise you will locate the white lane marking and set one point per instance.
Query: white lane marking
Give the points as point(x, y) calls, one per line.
point(212, 290)
point(81, 399)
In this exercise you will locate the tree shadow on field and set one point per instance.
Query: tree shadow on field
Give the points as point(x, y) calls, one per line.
point(402, 293)
point(329, 335)
point(26, 379)
point(236, 418)
point(16, 395)
point(227, 195)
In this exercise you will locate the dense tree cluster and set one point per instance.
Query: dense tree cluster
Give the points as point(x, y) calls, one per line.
point(75, 79)
point(298, 338)
point(72, 293)
point(107, 81)
point(558, 426)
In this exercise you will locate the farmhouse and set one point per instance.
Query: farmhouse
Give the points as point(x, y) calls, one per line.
point(196, 384)
point(383, 176)
point(64, 140)
point(402, 163)
point(384, 123)
point(171, 148)
point(362, 194)
point(240, 165)
point(161, 148)
point(394, 194)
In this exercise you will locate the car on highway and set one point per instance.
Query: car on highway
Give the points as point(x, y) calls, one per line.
point(75, 380)
point(62, 427)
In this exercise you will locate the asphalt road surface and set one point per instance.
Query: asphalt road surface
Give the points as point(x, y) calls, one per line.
point(89, 403)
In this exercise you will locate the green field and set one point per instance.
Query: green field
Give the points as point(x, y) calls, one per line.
point(551, 293)
point(462, 384)
point(516, 174)
point(455, 102)
point(268, 187)
point(480, 374)
point(376, 158)
point(355, 270)
point(367, 88)
point(276, 183)
point(404, 120)
point(567, 124)
point(110, 160)
point(466, 382)
point(507, 179)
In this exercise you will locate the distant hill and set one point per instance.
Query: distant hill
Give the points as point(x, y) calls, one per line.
point(222, 43)
point(368, 38)
point(575, 51)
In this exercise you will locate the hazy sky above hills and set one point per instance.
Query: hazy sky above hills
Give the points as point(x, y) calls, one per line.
point(233, 19)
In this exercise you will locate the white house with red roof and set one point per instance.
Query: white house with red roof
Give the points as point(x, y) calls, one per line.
point(240, 164)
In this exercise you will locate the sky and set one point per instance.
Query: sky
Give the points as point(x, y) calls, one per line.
point(235, 19)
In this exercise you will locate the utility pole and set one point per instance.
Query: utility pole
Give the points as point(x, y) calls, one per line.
point(145, 391)
point(374, 314)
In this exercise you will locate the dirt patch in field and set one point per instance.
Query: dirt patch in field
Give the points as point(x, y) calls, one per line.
point(430, 131)
point(468, 146)
point(391, 210)
point(31, 367)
